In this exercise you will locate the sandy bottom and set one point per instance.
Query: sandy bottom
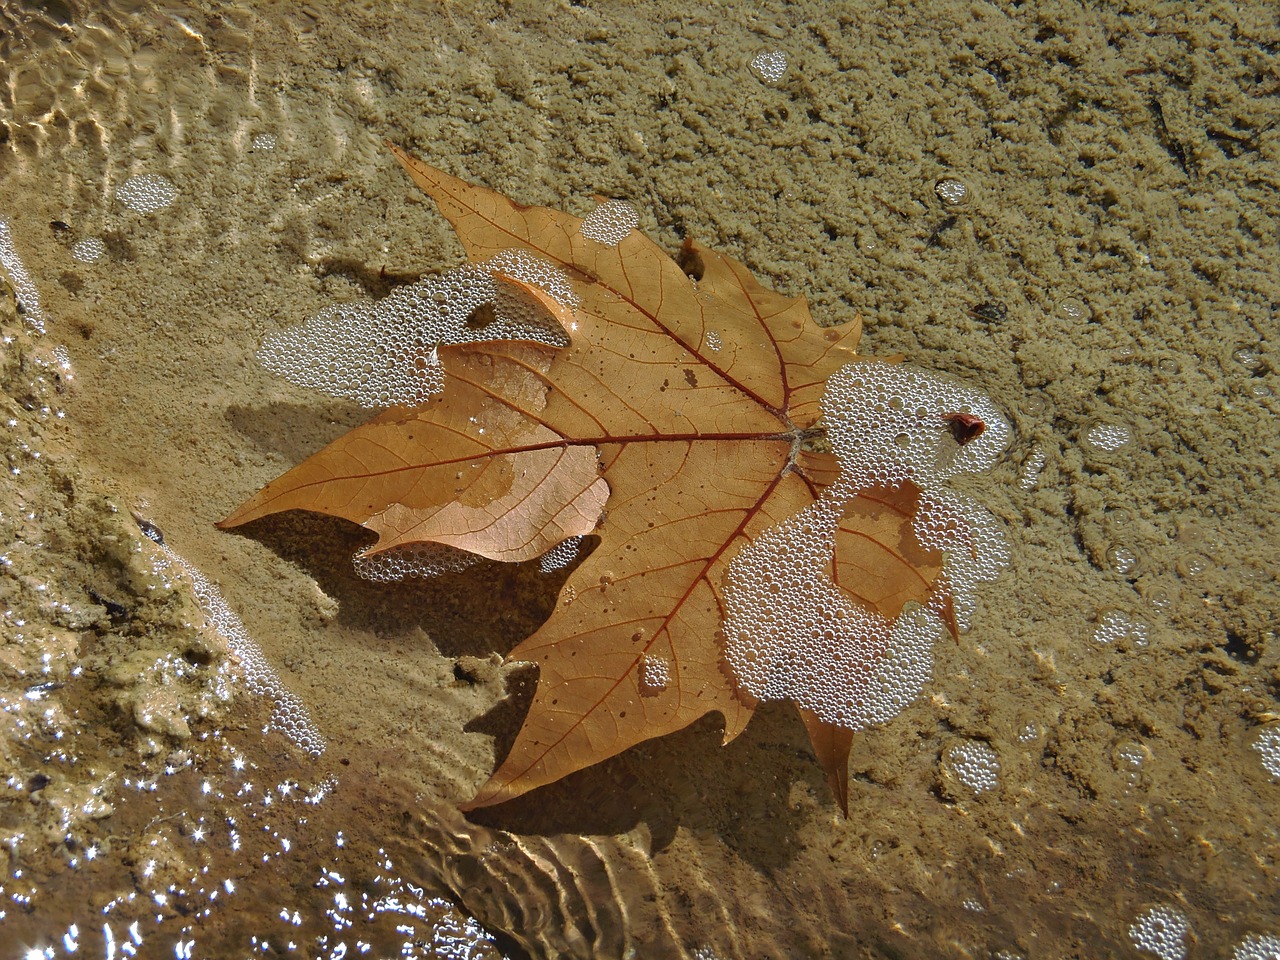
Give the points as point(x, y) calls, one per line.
point(1074, 211)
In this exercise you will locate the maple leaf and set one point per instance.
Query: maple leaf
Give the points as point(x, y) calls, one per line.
point(668, 409)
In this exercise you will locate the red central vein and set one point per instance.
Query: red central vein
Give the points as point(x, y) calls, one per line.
point(707, 563)
point(557, 444)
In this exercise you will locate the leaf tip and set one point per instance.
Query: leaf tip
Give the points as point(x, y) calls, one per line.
point(489, 795)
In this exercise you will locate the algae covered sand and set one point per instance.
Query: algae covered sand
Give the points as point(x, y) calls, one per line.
point(1074, 210)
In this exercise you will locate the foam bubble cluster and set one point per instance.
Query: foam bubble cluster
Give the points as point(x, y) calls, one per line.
point(1104, 437)
point(1257, 946)
point(889, 422)
point(288, 713)
point(24, 287)
point(610, 222)
point(770, 66)
point(791, 631)
point(1268, 746)
point(793, 634)
point(88, 250)
point(654, 675)
point(1115, 625)
point(974, 763)
point(147, 193)
point(422, 560)
point(563, 554)
point(385, 353)
point(1162, 930)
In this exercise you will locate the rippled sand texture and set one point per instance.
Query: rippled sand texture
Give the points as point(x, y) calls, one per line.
point(1074, 211)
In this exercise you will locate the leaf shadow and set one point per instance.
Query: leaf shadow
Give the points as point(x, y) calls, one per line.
point(491, 607)
point(685, 779)
point(294, 431)
point(485, 609)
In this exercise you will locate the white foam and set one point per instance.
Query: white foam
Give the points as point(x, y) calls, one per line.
point(385, 353)
point(288, 713)
point(24, 287)
point(1161, 930)
point(791, 631)
point(147, 192)
point(609, 222)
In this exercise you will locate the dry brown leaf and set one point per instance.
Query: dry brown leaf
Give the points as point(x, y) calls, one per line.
point(672, 427)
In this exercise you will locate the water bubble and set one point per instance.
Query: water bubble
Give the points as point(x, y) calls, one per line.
point(147, 193)
point(1122, 559)
point(1107, 437)
point(1128, 757)
point(974, 763)
point(1161, 930)
point(1248, 357)
point(951, 191)
point(1115, 625)
point(1073, 309)
point(1267, 743)
point(1192, 565)
point(770, 66)
point(88, 250)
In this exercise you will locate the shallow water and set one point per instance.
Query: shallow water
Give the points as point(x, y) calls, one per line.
point(1074, 211)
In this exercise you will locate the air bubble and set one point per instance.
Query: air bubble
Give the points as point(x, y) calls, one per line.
point(1248, 357)
point(147, 193)
point(1192, 565)
point(1267, 743)
point(1163, 931)
point(1122, 559)
point(610, 222)
point(1035, 405)
point(1128, 758)
point(1107, 437)
point(88, 250)
point(1158, 599)
point(951, 191)
point(770, 66)
point(1073, 309)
